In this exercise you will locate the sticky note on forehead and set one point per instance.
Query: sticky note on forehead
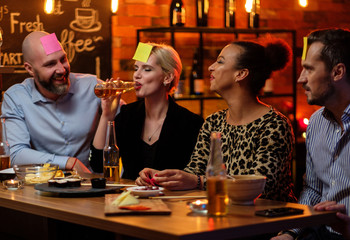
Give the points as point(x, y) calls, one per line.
point(143, 51)
point(50, 43)
point(303, 57)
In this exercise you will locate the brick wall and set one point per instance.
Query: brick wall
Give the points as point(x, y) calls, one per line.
point(281, 14)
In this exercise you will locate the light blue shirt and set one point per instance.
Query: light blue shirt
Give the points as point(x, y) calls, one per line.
point(40, 130)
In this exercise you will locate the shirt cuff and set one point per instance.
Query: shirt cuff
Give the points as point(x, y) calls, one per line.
point(289, 232)
point(61, 161)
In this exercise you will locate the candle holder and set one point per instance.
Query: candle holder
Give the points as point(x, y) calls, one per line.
point(198, 206)
point(13, 184)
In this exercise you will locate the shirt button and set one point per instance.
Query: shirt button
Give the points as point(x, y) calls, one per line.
point(67, 142)
point(333, 182)
point(338, 131)
point(62, 123)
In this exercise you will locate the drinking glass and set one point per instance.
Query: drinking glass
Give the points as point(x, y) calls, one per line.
point(1, 39)
point(4, 147)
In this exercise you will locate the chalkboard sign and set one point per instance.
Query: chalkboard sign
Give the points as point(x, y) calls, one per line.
point(82, 26)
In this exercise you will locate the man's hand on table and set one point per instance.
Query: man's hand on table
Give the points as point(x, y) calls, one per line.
point(283, 237)
point(343, 225)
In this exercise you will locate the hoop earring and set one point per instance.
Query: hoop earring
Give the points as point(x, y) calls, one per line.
point(164, 83)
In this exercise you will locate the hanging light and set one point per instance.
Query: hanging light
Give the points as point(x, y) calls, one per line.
point(303, 3)
point(114, 6)
point(49, 6)
point(248, 6)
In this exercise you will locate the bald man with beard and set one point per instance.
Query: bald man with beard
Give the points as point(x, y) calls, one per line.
point(52, 116)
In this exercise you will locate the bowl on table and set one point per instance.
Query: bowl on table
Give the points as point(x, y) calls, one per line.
point(245, 189)
point(35, 173)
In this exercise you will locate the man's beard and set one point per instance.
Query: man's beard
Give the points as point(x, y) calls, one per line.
point(322, 99)
point(49, 86)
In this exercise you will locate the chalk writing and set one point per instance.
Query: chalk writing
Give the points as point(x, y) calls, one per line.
point(86, 3)
point(11, 58)
point(37, 25)
point(58, 8)
point(3, 10)
point(82, 26)
point(72, 46)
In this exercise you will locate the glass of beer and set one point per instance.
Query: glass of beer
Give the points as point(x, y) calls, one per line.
point(113, 88)
point(4, 147)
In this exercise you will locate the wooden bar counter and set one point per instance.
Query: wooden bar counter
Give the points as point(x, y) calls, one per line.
point(22, 208)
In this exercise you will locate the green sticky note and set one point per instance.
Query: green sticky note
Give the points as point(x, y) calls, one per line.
point(303, 57)
point(143, 51)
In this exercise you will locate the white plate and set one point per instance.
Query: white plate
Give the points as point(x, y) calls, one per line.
point(8, 171)
point(141, 192)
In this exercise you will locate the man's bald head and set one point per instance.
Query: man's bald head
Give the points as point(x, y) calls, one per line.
point(32, 46)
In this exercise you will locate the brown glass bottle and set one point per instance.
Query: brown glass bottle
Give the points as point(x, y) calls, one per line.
point(216, 179)
point(177, 13)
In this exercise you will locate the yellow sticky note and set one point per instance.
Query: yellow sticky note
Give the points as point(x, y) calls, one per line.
point(304, 49)
point(143, 51)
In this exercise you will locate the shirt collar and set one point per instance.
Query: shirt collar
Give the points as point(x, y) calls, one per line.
point(329, 115)
point(346, 114)
point(38, 97)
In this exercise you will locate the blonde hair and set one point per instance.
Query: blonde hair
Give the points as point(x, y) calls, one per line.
point(170, 62)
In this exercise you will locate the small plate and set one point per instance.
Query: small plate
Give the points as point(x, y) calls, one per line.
point(8, 171)
point(141, 192)
point(83, 191)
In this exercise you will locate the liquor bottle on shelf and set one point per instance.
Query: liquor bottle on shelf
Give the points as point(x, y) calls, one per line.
point(177, 13)
point(230, 13)
point(180, 90)
point(202, 13)
point(254, 14)
point(111, 161)
point(216, 179)
point(196, 79)
point(268, 88)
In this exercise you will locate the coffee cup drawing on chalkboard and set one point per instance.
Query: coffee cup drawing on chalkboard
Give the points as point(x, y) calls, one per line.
point(86, 20)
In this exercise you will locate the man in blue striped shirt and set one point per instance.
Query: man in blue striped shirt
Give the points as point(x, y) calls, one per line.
point(326, 80)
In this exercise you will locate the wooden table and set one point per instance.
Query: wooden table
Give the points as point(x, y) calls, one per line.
point(181, 224)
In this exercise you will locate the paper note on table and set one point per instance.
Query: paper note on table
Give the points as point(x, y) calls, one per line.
point(143, 51)
point(304, 49)
point(154, 207)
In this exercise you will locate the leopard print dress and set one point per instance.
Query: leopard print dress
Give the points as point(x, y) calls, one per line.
point(263, 146)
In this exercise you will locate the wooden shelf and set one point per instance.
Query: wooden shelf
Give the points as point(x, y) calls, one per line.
point(5, 69)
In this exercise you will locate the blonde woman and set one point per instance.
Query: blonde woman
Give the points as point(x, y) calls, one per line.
point(153, 132)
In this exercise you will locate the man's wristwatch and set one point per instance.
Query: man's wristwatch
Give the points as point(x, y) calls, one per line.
point(289, 232)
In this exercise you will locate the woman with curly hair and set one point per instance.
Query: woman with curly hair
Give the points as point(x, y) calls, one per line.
point(256, 138)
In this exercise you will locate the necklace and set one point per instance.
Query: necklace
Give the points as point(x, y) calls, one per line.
point(150, 137)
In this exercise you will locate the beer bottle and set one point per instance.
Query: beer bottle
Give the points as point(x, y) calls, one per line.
point(230, 13)
point(177, 13)
point(196, 80)
point(202, 13)
point(216, 179)
point(111, 155)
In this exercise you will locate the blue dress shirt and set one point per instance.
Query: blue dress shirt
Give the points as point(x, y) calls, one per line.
point(40, 130)
point(328, 159)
